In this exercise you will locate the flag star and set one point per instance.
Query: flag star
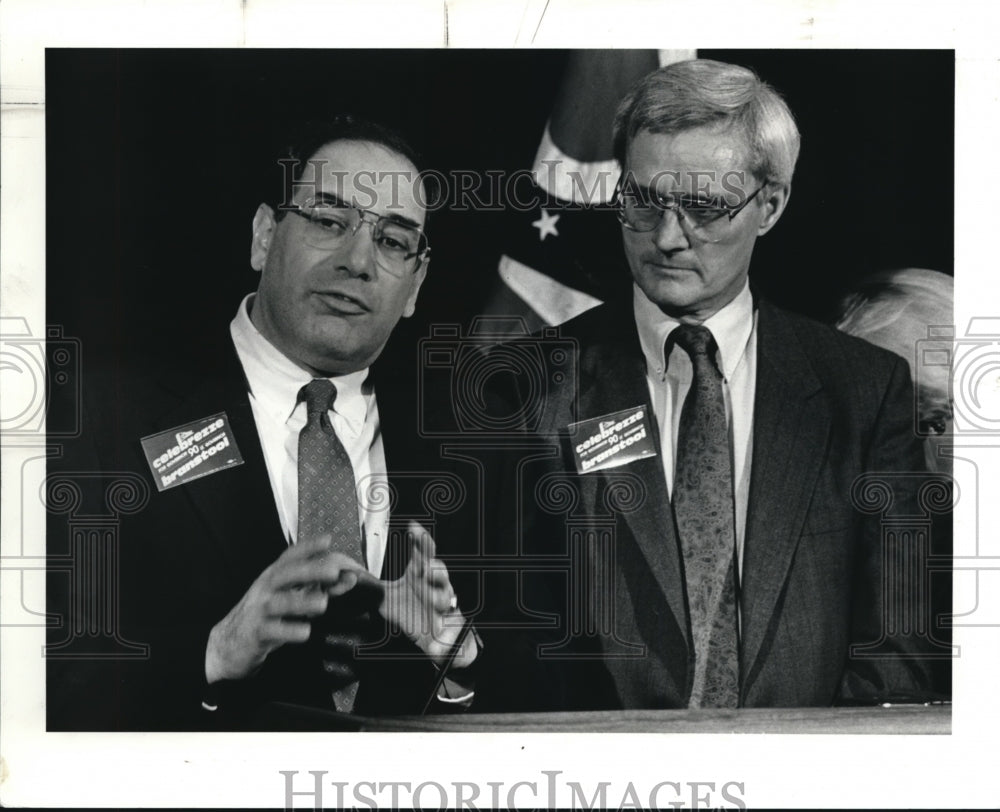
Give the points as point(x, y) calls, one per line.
point(546, 225)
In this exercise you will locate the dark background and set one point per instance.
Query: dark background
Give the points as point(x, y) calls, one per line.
point(157, 159)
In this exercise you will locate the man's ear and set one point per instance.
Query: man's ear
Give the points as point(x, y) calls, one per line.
point(418, 280)
point(776, 199)
point(263, 230)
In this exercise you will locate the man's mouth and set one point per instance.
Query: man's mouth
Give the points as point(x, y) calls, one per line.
point(664, 267)
point(342, 303)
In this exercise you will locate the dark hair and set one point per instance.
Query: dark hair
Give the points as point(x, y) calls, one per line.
point(703, 92)
point(306, 138)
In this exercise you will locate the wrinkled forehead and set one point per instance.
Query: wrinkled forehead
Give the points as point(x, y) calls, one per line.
point(699, 158)
point(364, 175)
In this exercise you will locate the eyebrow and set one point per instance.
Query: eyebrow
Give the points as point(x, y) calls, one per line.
point(650, 193)
point(336, 200)
point(329, 197)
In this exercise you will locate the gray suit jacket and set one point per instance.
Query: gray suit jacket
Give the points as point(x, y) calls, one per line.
point(826, 555)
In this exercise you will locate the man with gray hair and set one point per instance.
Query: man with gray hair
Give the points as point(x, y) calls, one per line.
point(910, 311)
point(749, 569)
point(898, 310)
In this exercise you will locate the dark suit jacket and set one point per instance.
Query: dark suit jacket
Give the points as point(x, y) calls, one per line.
point(181, 559)
point(817, 578)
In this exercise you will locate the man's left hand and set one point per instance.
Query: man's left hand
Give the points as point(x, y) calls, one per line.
point(423, 604)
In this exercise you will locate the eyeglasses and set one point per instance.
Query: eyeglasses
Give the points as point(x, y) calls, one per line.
point(707, 220)
point(400, 248)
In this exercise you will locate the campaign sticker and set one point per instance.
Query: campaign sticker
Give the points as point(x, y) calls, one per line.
point(191, 451)
point(612, 440)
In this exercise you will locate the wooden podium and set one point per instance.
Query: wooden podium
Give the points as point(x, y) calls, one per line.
point(895, 719)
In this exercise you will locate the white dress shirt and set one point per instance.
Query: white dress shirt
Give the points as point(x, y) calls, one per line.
point(275, 382)
point(734, 328)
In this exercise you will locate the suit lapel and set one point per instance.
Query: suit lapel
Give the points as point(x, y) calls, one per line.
point(237, 504)
point(613, 378)
point(398, 415)
point(790, 433)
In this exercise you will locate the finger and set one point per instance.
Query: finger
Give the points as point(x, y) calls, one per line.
point(306, 551)
point(443, 600)
point(437, 574)
point(332, 566)
point(417, 564)
point(422, 540)
point(324, 569)
point(297, 602)
point(291, 573)
point(289, 565)
point(281, 630)
point(354, 577)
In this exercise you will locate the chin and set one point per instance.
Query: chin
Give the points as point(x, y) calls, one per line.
point(669, 296)
point(341, 357)
point(323, 361)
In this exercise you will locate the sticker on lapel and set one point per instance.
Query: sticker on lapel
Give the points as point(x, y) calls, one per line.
point(191, 451)
point(612, 440)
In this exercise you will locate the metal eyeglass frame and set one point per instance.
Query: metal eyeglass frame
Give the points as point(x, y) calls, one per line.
point(688, 226)
point(371, 218)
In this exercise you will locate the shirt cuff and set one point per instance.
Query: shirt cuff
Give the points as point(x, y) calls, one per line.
point(451, 693)
point(459, 684)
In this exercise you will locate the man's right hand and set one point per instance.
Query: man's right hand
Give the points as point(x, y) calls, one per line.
point(278, 606)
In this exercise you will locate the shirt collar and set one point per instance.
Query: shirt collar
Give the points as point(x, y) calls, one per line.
point(275, 380)
point(731, 328)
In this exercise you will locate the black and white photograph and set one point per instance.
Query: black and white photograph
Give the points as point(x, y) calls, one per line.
point(519, 406)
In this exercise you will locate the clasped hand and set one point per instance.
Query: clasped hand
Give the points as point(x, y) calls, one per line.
point(279, 605)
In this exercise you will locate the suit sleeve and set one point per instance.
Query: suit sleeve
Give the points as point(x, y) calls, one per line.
point(114, 661)
point(888, 657)
point(127, 646)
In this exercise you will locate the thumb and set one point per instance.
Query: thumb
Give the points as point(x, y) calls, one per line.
point(345, 583)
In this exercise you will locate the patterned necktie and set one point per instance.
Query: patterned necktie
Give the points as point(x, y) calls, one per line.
point(328, 502)
point(703, 509)
point(328, 505)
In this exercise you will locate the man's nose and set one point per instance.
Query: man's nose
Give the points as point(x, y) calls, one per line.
point(669, 235)
point(360, 252)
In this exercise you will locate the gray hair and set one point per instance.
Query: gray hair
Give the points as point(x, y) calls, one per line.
point(703, 92)
point(893, 310)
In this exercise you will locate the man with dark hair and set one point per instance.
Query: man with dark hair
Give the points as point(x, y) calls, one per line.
point(270, 563)
point(298, 149)
point(746, 569)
